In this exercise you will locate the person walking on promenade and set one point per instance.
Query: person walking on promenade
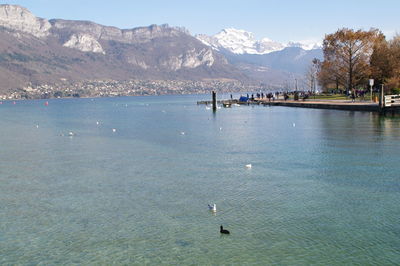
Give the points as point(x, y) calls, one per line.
point(353, 97)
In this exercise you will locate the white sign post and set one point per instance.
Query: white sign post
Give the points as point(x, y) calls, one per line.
point(371, 83)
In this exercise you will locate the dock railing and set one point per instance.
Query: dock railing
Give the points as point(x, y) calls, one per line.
point(391, 100)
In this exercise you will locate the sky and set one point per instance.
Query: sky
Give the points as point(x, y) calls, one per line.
point(279, 20)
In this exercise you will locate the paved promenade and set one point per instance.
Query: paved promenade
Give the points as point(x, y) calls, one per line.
point(326, 104)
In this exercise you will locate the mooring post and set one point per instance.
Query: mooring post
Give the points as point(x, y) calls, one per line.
point(214, 101)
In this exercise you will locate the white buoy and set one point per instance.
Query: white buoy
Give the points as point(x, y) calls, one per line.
point(114, 130)
point(182, 133)
point(37, 126)
point(220, 128)
point(97, 122)
point(294, 124)
point(71, 134)
point(248, 165)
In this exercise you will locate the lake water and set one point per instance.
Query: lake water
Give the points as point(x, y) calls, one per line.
point(324, 187)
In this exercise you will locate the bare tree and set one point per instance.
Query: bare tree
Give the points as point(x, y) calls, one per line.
point(311, 75)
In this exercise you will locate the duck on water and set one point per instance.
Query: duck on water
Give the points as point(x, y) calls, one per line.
point(223, 231)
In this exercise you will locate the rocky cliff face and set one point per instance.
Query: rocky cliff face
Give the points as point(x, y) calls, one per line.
point(19, 18)
point(35, 50)
point(190, 59)
point(99, 32)
point(85, 43)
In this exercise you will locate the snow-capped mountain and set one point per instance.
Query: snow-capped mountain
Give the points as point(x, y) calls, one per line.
point(240, 42)
point(243, 42)
point(267, 60)
point(305, 45)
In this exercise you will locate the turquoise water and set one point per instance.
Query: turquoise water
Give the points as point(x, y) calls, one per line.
point(324, 187)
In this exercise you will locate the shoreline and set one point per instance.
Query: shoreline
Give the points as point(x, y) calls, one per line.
point(345, 105)
point(326, 104)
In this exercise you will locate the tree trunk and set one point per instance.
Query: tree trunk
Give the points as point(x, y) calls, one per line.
point(337, 85)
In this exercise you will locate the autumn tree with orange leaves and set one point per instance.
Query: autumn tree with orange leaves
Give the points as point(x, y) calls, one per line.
point(385, 64)
point(347, 55)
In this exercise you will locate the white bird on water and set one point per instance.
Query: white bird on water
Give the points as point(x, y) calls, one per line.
point(213, 207)
point(248, 165)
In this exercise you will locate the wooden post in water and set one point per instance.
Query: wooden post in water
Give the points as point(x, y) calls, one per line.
point(214, 101)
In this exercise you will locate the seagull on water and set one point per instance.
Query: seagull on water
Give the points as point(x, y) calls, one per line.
point(213, 207)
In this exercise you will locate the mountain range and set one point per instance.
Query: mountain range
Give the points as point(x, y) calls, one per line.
point(35, 50)
point(244, 42)
point(265, 60)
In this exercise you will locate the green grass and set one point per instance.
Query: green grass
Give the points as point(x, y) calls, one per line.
point(367, 98)
point(330, 97)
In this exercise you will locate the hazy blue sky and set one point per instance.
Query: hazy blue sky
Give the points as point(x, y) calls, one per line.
point(280, 20)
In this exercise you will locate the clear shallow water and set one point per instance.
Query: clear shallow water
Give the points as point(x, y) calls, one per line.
point(324, 187)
